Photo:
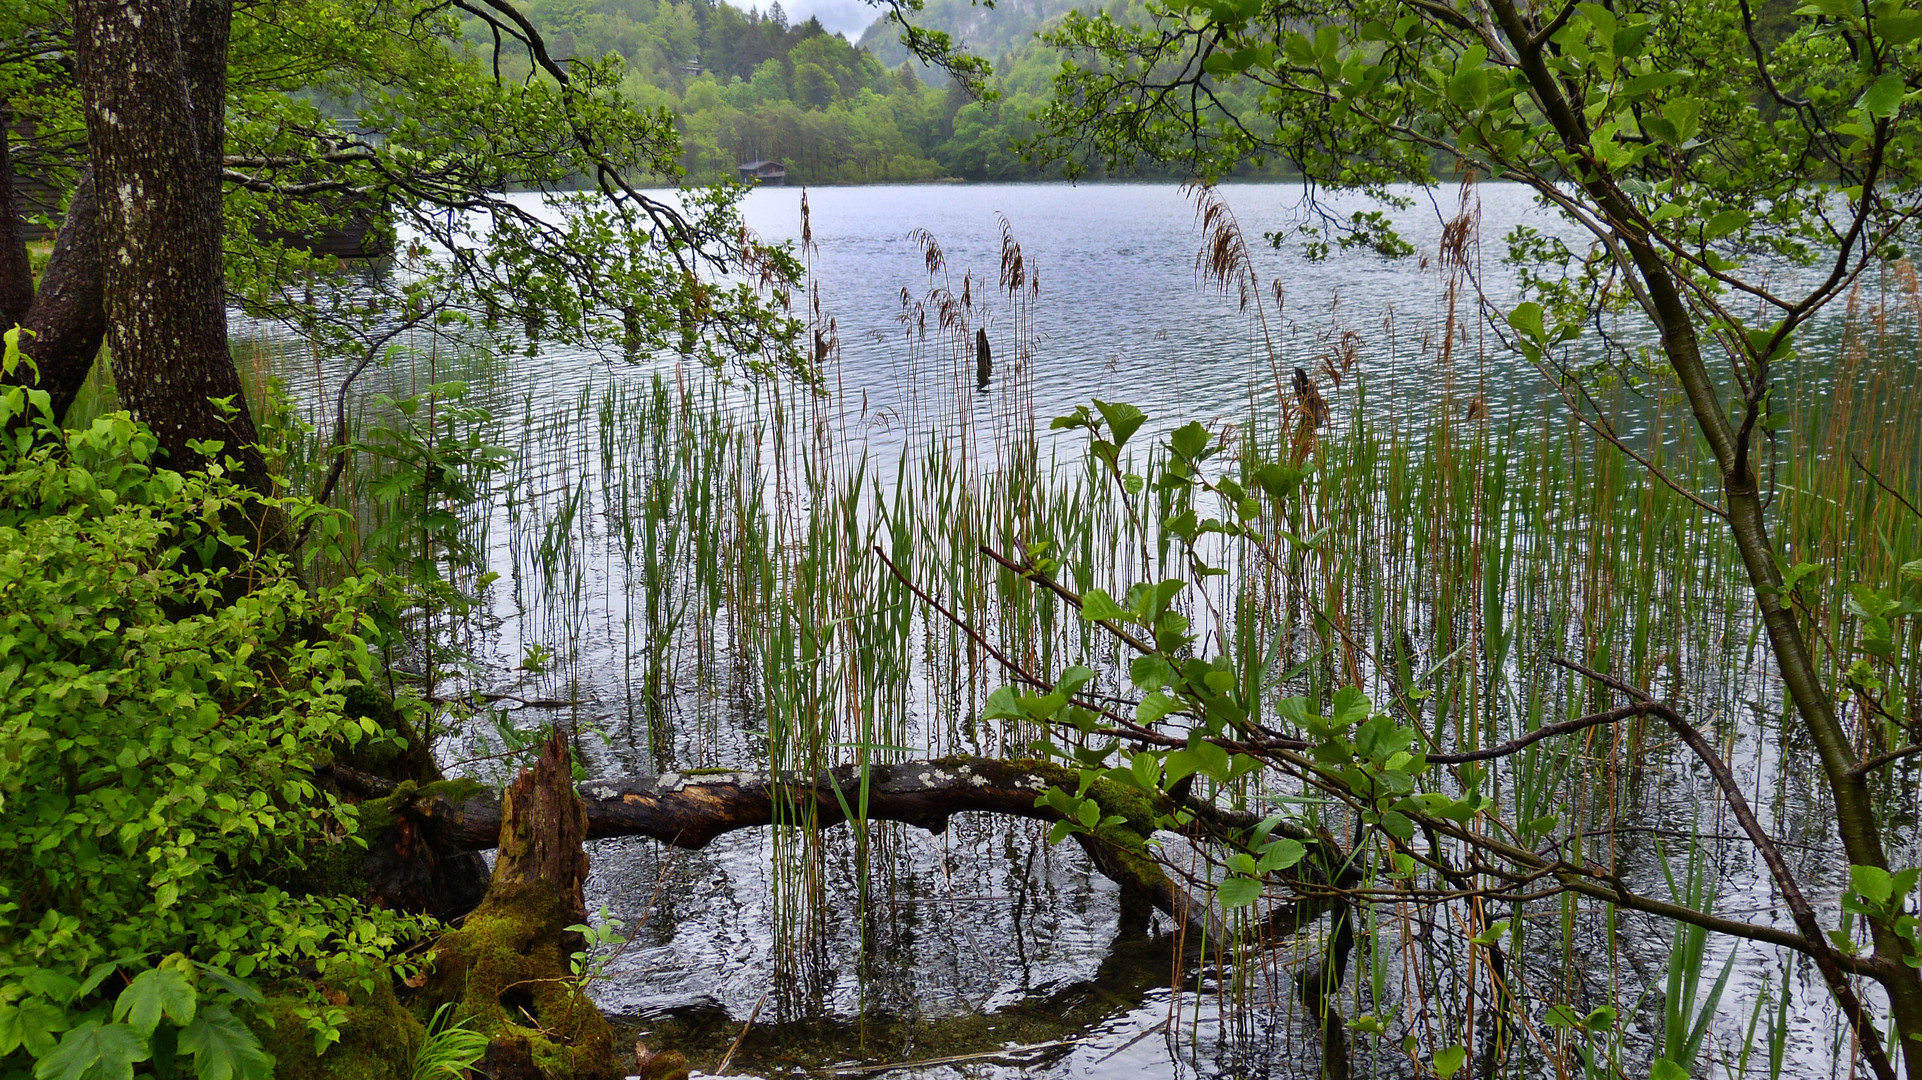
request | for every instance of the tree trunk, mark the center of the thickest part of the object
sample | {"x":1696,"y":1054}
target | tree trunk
{"x":509,"y":965}
{"x":1855,"y":817}
{"x":542,"y":825}
{"x":66,"y":321}
{"x":16,"y":271}
{"x":152,"y":80}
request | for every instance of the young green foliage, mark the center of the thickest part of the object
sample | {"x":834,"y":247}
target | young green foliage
{"x":165,"y":694}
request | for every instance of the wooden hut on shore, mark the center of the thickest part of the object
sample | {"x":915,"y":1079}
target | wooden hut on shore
{"x":767,"y":173}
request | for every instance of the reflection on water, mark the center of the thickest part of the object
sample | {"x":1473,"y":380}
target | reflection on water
{"x":984,"y":951}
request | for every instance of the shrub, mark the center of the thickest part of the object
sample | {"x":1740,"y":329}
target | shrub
{"x":165,"y":692}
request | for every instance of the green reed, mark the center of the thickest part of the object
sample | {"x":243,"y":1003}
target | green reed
{"x":721,"y":541}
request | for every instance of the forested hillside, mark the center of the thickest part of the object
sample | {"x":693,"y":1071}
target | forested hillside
{"x":1007,"y":27}
{"x":744,"y":86}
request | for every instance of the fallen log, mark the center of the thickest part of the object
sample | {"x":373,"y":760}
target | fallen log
{"x":689,"y":809}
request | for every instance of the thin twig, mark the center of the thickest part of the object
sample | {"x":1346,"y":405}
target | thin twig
{"x":1873,"y":475}
{"x":1042,"y":579}
{"x":1001,"y":658}
{"x":954,"y":1059}
{"x":1131,"y":730}
{"x":1880,"y":760}
{"x":721,"y":1069}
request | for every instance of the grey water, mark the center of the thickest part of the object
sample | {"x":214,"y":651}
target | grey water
{"x":983,"y":952}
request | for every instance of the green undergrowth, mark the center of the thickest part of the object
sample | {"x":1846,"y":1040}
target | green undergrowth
{"x":379,"y":1037}
{"x":507,"y":971}
{"x":166,"y":690}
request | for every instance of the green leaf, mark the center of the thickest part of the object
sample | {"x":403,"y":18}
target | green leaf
{"x":1155,"y":706}
{"x":1079,"y":418}
{"x":1123,"y":420}
{"x":1883,"y":98}
{"x":1794,"y":575}
{"x":1281,"y":481}
{"x":1181,"y":764}
{"x":1684,"y":114}
{"x":1396,"y":824}
{"x":1626,"y":43}
{"x":1602,"y":19}
{"x":154,"y":992}
{"x":52,"y":984}
{"x":94,"y":1051}
{"x":1381,"y":737}
{"x":1724,"y":223}
{"x":32,"y":1023}
{"x":1151,"y":671}
{"x":1873,"y":884}
{"x":1146,"y":768}
{"x":1098,"y":606}
{"x":1667,"y":1070}
{"x":1527,"y":319}
{"x":1210,"y":760}
{"x":1280,"y":854}
{"x":1072,"y":680}
{"x":1003,"y":705}
{"x":223,"y":1048}
{"x":1189,"y":440}
{"x":1900,"y":28}
{"x":1238,"y":892}
{"x":1448,"y":1060}
{"x":1643,"y":85}
{"x":1351,"y":706}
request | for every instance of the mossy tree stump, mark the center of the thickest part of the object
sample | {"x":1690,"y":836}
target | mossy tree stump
{"x":508,"y":966}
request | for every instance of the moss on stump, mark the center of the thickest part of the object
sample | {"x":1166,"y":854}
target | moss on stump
{"x":507,"y":967}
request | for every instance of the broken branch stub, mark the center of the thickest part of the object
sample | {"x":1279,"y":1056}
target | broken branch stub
{"x":542,"y":823}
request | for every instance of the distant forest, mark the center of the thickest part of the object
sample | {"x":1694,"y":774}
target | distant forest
{"x":745,"y":86}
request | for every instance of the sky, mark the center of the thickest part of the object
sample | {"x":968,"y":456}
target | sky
{"x":848,"y":17}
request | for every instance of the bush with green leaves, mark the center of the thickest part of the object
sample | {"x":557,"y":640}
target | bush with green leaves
{"x":166,"y":690}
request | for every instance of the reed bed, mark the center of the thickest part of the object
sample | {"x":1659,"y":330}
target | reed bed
{"x":692,"y":565}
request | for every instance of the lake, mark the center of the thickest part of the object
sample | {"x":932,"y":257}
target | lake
{"x":985,"y":951}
